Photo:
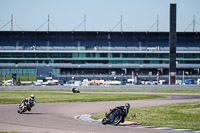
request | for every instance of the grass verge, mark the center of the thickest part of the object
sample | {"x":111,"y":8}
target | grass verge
{"x":181,"y":115}
{"x":13,"y":97}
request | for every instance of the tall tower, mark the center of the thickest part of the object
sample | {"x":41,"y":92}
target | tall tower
{"x":172,"y":45}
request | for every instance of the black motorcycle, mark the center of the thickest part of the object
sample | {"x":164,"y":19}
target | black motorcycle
{"x":75,"y":90}
{"x":23,"y":107}
{"x":114,"y":117}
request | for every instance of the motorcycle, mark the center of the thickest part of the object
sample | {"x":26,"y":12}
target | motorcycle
{"x":23,"y":107}
{"x":114,"y":117}
{"x":75,"y":90}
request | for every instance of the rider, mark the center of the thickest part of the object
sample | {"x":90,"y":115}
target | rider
{"x":30,"y":102}
{"x":75,"y":90}
{"x":124,"y":109}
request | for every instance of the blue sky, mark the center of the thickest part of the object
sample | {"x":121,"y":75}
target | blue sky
{"x":102,"y":15}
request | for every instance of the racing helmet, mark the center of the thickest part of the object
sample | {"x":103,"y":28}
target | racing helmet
{"x":32,"y":96}
{"x":127,"y":105}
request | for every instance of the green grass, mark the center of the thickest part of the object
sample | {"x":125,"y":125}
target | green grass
{"x":182,"y":115}
{"x":14,"y":97}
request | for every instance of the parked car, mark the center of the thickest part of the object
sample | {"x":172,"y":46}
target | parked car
{"x":190,"y":81}
{"x":198,"y":81}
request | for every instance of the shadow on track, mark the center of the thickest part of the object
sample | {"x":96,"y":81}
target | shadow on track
{"x":33,"y":113}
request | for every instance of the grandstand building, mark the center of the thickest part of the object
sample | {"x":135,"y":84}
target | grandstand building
{"x":97,"y":54}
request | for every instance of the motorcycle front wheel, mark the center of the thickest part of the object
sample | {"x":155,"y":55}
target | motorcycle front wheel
{"x":104,"y":121}
{"x":117,"y":120}
{"x":20,"y":111}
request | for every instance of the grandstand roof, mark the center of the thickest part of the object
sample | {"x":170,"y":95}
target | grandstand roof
{"x":92,"y":34}
{"x":92,"y":38}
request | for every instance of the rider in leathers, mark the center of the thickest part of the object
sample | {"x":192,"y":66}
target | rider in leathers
{"x":30,"y":102}
{"x":124,"y":108}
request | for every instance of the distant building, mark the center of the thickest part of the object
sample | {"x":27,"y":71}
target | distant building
{"x":96,"y":53}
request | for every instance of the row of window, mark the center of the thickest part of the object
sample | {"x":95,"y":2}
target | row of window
{"x":102,"y":61}
{"x":96,"y":55}
{"x":7,"y":71}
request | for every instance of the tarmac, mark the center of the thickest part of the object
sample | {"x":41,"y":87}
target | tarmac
{"x":59,"y":117}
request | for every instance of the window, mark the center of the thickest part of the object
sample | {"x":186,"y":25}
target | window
{"x":41,"y":55}
{"x":152,"y":55}
{"x":140,"y":55}
{"x":103,"y":55}
{"x":74,"y":55}
{"x":5,"y":55}
{"x":18,"y":55}
{"x":164,"y":55}
{"x":116,"y":55}
{"x":29,"y":55}
{"x":128,"y":55}
{"x":54,"y":55}
{"x":66,"y":55}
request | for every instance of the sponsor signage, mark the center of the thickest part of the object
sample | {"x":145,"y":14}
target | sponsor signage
{"x":172,"y":74}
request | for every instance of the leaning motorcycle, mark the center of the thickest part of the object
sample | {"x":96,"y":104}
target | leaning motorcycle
{"x":23,"y":108}
{"x":75,"y":90}
{"x":114,"y":117}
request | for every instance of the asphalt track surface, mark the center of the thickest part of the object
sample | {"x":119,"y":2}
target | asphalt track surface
{"x":59,"y":117}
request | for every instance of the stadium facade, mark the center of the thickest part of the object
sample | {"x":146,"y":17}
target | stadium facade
{"x":97,"y":54}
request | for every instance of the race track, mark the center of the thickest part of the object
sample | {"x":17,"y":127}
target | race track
{"x":59,"y":117}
